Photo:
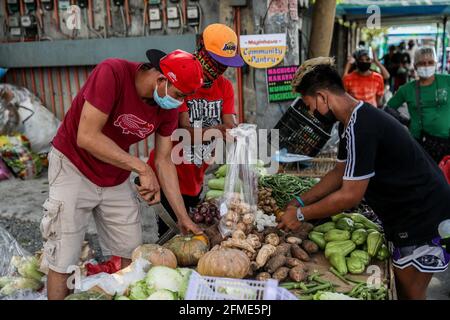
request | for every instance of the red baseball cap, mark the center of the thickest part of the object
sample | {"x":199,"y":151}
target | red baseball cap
{"x":181,"y":68}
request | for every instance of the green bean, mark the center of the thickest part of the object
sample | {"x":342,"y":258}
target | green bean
{"x":326,"y":286}
{"x":337,"y":274}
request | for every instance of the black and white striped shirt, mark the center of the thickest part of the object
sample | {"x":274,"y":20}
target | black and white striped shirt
{"x":406,"y":190}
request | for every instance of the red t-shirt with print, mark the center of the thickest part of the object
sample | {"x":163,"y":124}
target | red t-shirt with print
{"x":365,"y":88}
{"x":207,"y":105}
{"x":111,"y":89}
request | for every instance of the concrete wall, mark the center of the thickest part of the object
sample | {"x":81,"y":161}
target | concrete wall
{"x":257,"y":108}
{"x":57,"y":86}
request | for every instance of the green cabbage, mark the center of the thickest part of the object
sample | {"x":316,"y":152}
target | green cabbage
{"x":27,"y":267}
{"x":139,"y":290}
{"x":162,"y":294}
{"x":161,"y":277}
{"x":186,"y":274}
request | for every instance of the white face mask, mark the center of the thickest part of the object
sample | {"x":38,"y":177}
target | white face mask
{"x":426,"y":72}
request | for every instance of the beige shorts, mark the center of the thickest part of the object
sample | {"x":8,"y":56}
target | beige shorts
{"x":73,"y":200}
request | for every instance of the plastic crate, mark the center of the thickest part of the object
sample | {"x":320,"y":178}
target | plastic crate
{"x":301,"y":133}
{"x":215,"y":288}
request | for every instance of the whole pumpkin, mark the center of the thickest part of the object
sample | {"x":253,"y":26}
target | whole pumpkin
{"x":188,"y":249}
{"x":156,"y":255}
{"x":224,"y":262}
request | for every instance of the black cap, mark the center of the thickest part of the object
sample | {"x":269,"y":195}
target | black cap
{"x":154,"y":56}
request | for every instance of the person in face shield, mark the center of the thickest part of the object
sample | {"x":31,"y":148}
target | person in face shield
{"x":379,"y":161}
{"x":428,"y":104}
{"x":363,"y":83}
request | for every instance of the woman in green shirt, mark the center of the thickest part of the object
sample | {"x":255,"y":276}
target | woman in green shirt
{"x":430,"y":118}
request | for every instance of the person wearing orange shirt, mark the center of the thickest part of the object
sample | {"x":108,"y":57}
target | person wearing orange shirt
{"x":363,"y":83}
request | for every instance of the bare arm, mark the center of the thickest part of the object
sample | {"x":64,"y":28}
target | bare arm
{"x":91,"y":138}
{"x":167,"y":173}
{"x":380,"y":101}
{"x":383,"y":70}
{"x":331,"y":182}
{"x":349,"y":195}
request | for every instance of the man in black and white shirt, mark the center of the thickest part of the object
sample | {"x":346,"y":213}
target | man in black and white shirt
{"x":379,"y":161}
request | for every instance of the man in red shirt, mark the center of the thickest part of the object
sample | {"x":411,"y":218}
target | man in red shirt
{"x":121,"y":103}
{"x":211,"y":107}
{"x":363,"y":83}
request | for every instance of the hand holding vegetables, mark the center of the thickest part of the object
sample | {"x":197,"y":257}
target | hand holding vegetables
{"x":186,"y":226}
{"x":289,"y":219}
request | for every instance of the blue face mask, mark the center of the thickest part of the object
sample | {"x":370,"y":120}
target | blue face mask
{"x":166,"y":102}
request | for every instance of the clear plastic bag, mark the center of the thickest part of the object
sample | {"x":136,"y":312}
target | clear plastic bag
{"x":238,"y":206}
{"x":9,"y":248}
{"x":32,"y":115}
{"x":13,"y":284}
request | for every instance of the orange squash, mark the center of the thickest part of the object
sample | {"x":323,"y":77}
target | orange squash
{"x":156,"y":255}
{"x":224,"y":262}
{"x":188,"y":249}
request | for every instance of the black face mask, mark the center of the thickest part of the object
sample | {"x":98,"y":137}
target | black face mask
{"x":363,"y":66}
{"x":327,"y":119}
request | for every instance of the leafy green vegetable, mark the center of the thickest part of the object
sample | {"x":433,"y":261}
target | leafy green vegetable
{"x":20,"y":284}
{"x":285,"y":186}
{"x":162,"y":294}
{"x":161,"y":277}
{"x":139,"y":290}
{"x":186,"y":274}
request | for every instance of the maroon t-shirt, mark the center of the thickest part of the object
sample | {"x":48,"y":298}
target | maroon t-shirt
{"x":111,"y":89}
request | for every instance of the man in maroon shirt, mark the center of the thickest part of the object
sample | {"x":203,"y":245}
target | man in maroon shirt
{"x":121,"y":103}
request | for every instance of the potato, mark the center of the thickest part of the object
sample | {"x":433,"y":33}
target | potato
{"x":248,"y":218}
{"x":274,"y":263}
{"x":260,"y":236}
{"x":281,"y":274}
{"x":283,"y":249}
{"x":254,"y":241}
{"x":272,"y":230}
{"x":238,"y":235}
{"x":293,"y":240}
{"x":300,"y":234}
{"x":213,"y":235}
{"x":299,"y":253}
{"x":294,"y":262}
{"x":272,"y":239}
{"x":310,"y":246}
{"x":241,"y":226}
{"x":306,"y":227}
{"x":263,"y":276}
{"x":297,"y":274}
{"x":264,"y":254}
